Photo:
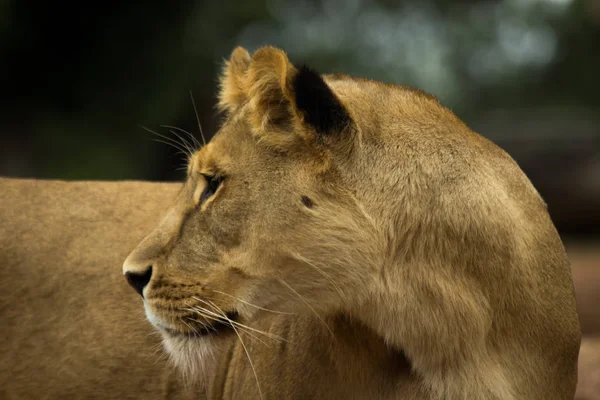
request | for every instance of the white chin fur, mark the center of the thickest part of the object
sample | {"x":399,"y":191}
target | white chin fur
{"x":192,"y":356}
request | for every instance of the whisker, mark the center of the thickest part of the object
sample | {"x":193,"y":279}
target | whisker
{"x":246,"y":327}
{"x":245,"y":349}
{"x":220,"y":319}
{"x":198,"y":119}
{"x":246,"y":330}
{"x":184,"y":166}
{"x":250,"y":304}
{"x":188,"y":146}
{"x":268,"y":334}
{"x":251,"y":363}
{"x":209,"y":315}
{"x":189,"y":134}
{"x":243,"y":327}
{"x":309,"y":306}
{"x":169,"y":141}
{"x":191,"y":327}
{"x":179,"y":152}
{"x":157,"y":347}
{"x":204,"y":313}
{"x":173,"y":141}
{"x":320,"y":270}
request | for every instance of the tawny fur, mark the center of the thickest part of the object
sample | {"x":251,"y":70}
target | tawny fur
{"x":425,"y":265}
{"x":71,"y":327}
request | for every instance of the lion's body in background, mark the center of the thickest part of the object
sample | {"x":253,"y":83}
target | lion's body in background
{"x":70,"y":325}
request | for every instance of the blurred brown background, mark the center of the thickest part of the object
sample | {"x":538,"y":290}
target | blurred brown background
{"x":77,"y":79}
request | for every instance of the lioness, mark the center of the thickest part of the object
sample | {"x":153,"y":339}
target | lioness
{"x":341,"y":238}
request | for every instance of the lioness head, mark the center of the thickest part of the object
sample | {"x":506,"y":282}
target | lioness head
{"x":267,"y":218}
{"x":334,"y":195}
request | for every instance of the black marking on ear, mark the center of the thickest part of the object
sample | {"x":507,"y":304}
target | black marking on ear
{"x":307,"y":201}
{"x":321,"y":108}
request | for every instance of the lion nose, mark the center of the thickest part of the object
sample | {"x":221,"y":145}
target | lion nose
{"x":139,"y":280}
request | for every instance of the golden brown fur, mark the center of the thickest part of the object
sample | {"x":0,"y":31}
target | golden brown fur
{"x":70,"y":327}
{"x":417,"y":259}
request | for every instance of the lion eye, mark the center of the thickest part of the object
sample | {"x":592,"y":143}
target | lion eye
{"x":212,"y":184}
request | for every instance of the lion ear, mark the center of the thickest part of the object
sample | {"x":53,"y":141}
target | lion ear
{"x":317,"y":104}
{"x":269,"y":89}
{"x":232,"y":90}
{"x":283,"y":97}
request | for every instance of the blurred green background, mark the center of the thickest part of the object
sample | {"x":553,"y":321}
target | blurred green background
{"x":79,"y":78}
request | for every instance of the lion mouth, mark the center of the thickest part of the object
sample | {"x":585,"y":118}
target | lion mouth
{"x":215,"y":328}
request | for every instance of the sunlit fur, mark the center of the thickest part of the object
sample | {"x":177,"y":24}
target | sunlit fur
{"x":422,"y":241}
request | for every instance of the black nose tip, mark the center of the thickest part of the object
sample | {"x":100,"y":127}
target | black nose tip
{"x":139,"y":281}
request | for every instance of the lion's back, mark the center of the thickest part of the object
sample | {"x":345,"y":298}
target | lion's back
{"x":68,"y":322}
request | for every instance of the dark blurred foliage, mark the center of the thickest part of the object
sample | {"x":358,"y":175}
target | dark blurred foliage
{"x":78,"y":79}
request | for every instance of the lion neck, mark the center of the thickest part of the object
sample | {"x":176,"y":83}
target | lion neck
{"x":441,"y":328}
{"x":343,"y":360}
